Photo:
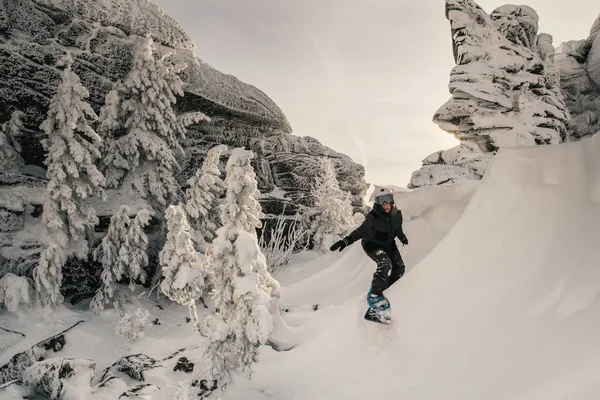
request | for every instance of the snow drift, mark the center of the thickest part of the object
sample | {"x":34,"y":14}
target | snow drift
{"x":505,"y":307}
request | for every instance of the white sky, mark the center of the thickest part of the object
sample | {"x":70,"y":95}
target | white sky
{"x":363,"y":77}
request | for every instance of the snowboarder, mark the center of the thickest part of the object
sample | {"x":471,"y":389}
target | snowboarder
{"x":377,"y":233}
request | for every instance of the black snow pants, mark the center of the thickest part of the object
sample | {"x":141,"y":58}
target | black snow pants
{"x":390,"y":266}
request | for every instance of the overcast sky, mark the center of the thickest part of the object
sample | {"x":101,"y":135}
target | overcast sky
{"x":362,"y":76}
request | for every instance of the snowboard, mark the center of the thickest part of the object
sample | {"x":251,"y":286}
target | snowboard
{"x":379,"y":316}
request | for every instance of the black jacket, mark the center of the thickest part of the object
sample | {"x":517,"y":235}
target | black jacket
{"x":379,"y":227}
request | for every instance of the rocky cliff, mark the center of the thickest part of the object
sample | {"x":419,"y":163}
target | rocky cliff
{"x":505,"y":91}
{"x":579,"y":64}
{"x":34,"y":34}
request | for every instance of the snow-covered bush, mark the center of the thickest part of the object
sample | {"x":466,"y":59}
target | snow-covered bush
{"x":10,"y":149}
{"x":14,"y":290}
{"x":242,"y":320}
{"x":333,"y":208}
{"x":141,"y":129}
{"x":132,"y":327}
{"x":123,"y":254}
{"x":279,"y":242}
{"x":73,"y":179}
{"x":202,"y":199}
{"x":182,"y":266}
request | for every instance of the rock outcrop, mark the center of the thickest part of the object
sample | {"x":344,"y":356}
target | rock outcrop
{"x":35,"y":34}
{"x":59,"y":378}
{"x":45,"y":369}
{"x":505,"y":91}
{"x":20,"y":362}
{"x":579,"y":64}
{"x":100,"y":36}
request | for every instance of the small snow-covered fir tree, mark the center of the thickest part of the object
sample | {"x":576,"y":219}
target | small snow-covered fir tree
{"x":242,"y":321}
{"x":113,"y":266}
{"x":10,"y":149}
{"x":123,"y":254}
{"x":14,"y":290}
{"x":141,"y":129}
{"x":136,"y":248}
{"x":333,"y":209}
{"x":48,"y":273}
{"x":73,"y":179}
{"x":182,"y":266}
{"x":202,"y":199}
{"x":131,"y":326}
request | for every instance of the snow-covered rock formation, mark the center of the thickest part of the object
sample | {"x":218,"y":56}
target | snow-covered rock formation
{"x":36,"y":34}
{"x":100,"y":35}
{"x":579,"y":64}
{"x":505,"y":91}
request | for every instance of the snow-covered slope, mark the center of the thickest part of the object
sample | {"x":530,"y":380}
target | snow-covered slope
{"x":505,"y":307}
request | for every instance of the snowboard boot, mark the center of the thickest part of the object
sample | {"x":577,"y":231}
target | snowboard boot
{"x":377,"y":302}
{"x":379,"y":309}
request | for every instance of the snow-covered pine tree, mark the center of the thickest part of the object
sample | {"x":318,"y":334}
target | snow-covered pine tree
{"x":202,"y":199}
{"x":242,"y":321}
{"x":123,"y":254}
{"x":182,"y":265}
{"x":141,"y":129}
{"x":113,"y":266}
{"x":10,"y":149}
{"x":73,"y":178}
{"x":333,"y":208}
{"x":136,"y":248}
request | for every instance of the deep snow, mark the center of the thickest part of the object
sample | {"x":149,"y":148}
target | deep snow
{"x":505,"y":306}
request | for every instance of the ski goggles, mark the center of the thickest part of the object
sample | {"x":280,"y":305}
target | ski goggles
{"x":384,"y":198}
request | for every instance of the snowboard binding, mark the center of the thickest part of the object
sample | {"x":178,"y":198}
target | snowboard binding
{"x":379,"y":309}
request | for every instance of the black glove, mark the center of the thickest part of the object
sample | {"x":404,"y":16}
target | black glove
{"x":404,"y":240}
{"x":340,"y":244}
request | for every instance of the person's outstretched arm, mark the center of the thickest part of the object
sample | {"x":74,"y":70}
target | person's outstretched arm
{"x":400,"y":233}
{"x":355,"y":235}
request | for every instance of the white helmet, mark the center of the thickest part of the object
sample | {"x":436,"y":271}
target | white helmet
{"x":383,"y":195}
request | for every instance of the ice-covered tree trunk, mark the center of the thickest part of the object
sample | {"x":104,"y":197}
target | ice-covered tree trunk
{"x":141,"y":129}
{"x":10,"y":149}
{"x":333,"y":208}
{"x":202,"y":199}
{"x":73,"y":179}
{"x":242,"y":320}
{"x":123,"y":254}
{"x":182,"y":266}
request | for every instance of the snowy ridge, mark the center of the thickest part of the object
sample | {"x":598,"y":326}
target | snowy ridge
{"x":229,"y":92}
{"x":136,"y":16}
